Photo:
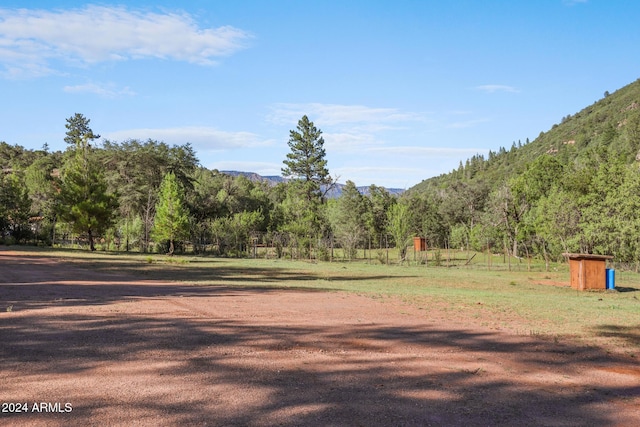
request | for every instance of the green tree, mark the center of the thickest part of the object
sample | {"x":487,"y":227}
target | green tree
{"x":78,"y":131}
{"x":306,"y":161}
{"x":538,"y":179}
{"x":399,"y":225}
{"x":379,"y":201}
{"x":461,"y":205}
{"x":426,"y":219}
{"x":303,"y":208}
{"x":84,"y":200}
{"x":172,"y":218}
{"x":15,"y":156}
{"x":556,"y":219}
{"x":14,"y":207}
{"x":632,"y":132}
{"x":232,"y":233}
{"x":609,"y":220}
{"x":505,"y":214}
{"x":136,"y":170}
{"x":301,"y":217}
{"x":243,"y":225}
{"x":348,"y":218}
{"x":41,"y":185}
{"x":130,"y":229}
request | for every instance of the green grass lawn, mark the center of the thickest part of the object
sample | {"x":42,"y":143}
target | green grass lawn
{"x":527,"y":302}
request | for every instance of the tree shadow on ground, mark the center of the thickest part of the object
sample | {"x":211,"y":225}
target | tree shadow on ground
{"x":630,"y":334}
{"x":33,"y":270}
{"x":27,"y":296}
{"x":230,"y":372}
{"x":120,"y":359}
{"x":36,"y":282}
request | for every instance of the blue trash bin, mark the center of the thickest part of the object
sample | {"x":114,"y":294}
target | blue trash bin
{"x":611,"y":278}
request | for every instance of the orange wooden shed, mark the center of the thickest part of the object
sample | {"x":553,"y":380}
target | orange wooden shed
{"x":588,"y":271}
{"x":419,"y":244}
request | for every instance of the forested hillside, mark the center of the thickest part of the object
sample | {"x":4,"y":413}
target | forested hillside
{"x":575,"y":188}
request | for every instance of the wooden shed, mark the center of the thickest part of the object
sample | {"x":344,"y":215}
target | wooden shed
{"x":588,"y":271}
{"x":419,"y":244}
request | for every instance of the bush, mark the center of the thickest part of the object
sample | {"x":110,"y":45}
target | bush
{"x":323,"y":252}
{"x":438,"y":257}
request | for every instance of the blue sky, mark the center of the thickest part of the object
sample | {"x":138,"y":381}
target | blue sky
{"x":402,"y":90}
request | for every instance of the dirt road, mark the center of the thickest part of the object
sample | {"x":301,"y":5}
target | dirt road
{"x":78,"y":348}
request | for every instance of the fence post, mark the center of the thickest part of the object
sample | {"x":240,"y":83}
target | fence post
{"x":386,"y":240}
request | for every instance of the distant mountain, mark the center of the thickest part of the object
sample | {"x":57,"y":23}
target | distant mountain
{"x":337,"y":191}
{"x":274,"y":180}
{"x":252,"y":176}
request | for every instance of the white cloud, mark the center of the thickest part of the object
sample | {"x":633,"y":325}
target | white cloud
{"x":335,"y":114}
{"x":31,"y":39}
{"x":497,"y":88}
{"x":347,"y":127}
{"x":105,"y":90}
{"x":346,"y":141}
{"x":202,"y":138}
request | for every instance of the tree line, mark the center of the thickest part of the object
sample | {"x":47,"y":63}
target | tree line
{"x":148,"y":196}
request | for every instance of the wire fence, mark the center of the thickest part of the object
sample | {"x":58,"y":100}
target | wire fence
{"x":280,"y":245}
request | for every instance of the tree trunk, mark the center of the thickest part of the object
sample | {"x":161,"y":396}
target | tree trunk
{"x":91,"y":245}
{"x":546,"y":257}
{"x":147,"y":222}
{"x":171,"y":248}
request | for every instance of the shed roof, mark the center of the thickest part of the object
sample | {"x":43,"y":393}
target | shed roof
{"x":587,"y":256}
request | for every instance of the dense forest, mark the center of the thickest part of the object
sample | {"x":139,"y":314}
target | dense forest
{"x":575,"y":188}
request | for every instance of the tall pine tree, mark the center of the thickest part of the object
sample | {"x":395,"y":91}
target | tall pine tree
{"x":306,"y":162}
{"x":83,"y":200}
{"x":307,"y":166}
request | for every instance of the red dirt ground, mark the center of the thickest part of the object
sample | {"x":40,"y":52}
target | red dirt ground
{"x":114,"y":350}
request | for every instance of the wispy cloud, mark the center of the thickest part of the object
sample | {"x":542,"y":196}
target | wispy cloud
{"x":104,"y":90}
{"x":347,"y":127}
{"x":346,"y":141}
{"x":336,"y":114}
{"x":32,"y":40}
{"x":497,"y":88}
{"x":202,"y":138}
